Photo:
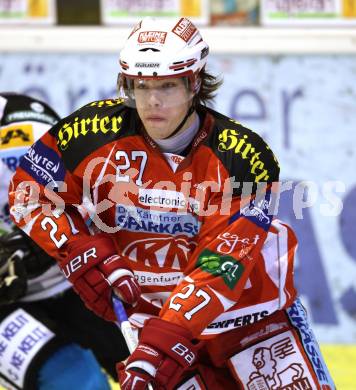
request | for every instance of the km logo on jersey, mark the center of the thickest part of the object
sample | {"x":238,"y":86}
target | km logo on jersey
{"x":161,"y":252}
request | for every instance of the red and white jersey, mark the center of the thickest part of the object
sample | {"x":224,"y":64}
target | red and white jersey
{"x":205,"y":255}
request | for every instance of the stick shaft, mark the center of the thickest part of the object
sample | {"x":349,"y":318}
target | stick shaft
{"x":125,"y":326}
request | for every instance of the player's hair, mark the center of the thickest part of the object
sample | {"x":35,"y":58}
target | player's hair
{"x":208,"y":88}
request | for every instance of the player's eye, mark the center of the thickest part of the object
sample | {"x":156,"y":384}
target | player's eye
{"x":168,"y":85}
{"x":141,"y":86}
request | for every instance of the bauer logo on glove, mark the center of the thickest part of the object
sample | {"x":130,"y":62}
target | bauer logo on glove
{"x":78,"y":262}
{"x":95,"y":269}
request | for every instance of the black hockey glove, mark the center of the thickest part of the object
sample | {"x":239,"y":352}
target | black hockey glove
{"x":20,"y":258}
{"x":13,"y":277}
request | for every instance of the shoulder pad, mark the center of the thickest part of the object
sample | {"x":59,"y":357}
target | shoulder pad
{"x":92,"y":126}
{"x":245,"y":155}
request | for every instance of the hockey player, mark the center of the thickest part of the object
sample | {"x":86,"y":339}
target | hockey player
{"x":45,"y":330}
{"x":181,"y":199}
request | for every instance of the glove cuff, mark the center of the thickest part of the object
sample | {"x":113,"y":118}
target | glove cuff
{"x":119,"y":273}
{"x":170,"y":339}
{"x":102,"y":239}
{"x":168,"y":326}
{"x":147,"y":367}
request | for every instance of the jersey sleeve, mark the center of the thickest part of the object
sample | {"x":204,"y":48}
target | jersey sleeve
{"x":45,"y":197}
{"x":48,"y":195}
{"x":231,"y":237}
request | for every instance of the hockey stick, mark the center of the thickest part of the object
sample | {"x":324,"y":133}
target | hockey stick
{"x":124,"y":323}
{"x":125,"y":326}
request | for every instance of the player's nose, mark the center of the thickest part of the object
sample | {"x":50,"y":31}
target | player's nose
{"x":154,"y":99}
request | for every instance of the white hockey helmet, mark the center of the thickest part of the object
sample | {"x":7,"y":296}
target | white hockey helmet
{"x":158,"y":49}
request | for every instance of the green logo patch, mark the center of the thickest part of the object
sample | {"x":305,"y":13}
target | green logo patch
{"x":225,"y":266}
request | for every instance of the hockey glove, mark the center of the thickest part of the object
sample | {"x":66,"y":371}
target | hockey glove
{"x":13,"y":277}
{"x":20,"y":258}
{"x":36,"y":261}
{"x":94,"y":268}
{"x":164,"y":352}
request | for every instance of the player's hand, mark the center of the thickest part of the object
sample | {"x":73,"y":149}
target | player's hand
{"x":133,"y":379}
{"x":164,"y":352}
{"x":94,"y":268}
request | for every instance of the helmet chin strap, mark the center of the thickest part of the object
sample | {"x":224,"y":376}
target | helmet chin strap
{"x":187,"y":115}
{"x":190,"y":110}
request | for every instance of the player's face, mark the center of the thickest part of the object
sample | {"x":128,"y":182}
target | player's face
{"x":162,"y":105}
